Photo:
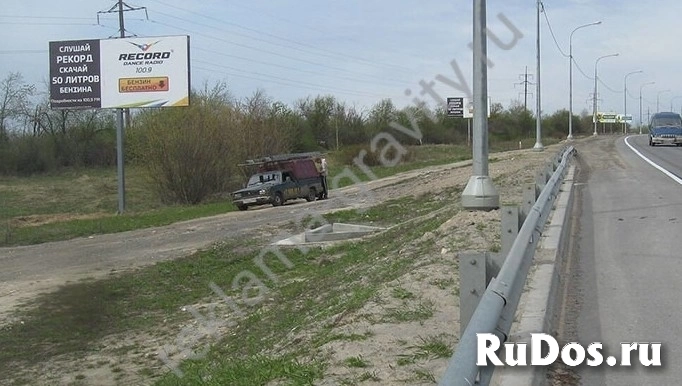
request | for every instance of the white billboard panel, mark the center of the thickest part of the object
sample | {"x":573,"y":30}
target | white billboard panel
{"x":145,"y":72}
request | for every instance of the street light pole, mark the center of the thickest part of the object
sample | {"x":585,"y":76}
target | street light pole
{"x":570,"y":78}
{"x":658,"y":98}
{"x":625,"y":98}
{"x":594,"y":104}
{"x":538,"y":118}
{"x":480,"y":192}
{"x":640,"y":104}
{"x":671,"y":101}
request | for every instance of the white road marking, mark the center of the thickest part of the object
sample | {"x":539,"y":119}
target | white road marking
{"x":652,"y":163}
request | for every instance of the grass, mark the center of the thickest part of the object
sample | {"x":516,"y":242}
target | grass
{"x":109,"y":224}
{"x":421,"y":157}
{"x":425,"y":375}
{"x":357,"y":362}
{"x":308,"y":296}
{"x":402,"y":293}
{"x":395,"y":210}
{"x":82,"y":203}
{"x":410,"y":312}
{"x":255,"y":370}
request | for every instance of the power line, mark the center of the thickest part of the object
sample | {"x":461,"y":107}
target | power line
{"x":544,"y":11}
{"x":551,"y":31}
{"x":50,"y":17}
{"x":39,"y":23}
{"x":277,"y":65}
{"x":284,"y":81}
{"x":263,"y":40}
{"x":581,"y":70}
{"x":608,"y":88}
{"x":336,"y":55}
{"x":267,"y":51}
{"x":298,"y":24}
{"x":12,"y":52}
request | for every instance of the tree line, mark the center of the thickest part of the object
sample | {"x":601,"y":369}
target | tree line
{"x":192,"y":152}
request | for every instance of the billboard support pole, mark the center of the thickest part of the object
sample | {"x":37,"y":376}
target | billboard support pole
{"x":120,"y":163}
{"x":121,"y":122}
{"x":469,"y":132}
{"x":119,"y":132}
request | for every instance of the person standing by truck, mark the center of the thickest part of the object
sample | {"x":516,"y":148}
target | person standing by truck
{"x":323,"y":177}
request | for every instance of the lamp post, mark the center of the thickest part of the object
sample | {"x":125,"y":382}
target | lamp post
{"x":480,"y":192}
{"x":640,"y":104}
{"x":625,"y":98}
{"x":538,"y":116}
{"x":594,"y":104}
{"x":658,"y":96}
{"x":671,"y":101}
{"x":570,"y":78}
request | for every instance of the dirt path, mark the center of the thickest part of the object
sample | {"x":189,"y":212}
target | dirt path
{"x":30,"y":270}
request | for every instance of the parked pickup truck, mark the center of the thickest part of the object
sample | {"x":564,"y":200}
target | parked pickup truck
{"x":665,"y":129}
{"x":281,"y":178}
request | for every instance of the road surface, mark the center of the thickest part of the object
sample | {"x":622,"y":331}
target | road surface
{"x":627,"y":264}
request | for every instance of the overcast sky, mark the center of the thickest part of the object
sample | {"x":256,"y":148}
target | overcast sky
{"x":364,"y":50}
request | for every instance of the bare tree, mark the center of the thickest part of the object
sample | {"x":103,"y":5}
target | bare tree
{"x":14,"y":100}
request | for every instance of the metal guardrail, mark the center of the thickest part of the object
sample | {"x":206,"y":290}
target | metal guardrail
{"x":497,"y":306}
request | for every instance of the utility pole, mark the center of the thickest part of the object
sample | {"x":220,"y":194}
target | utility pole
{"x":119,"y":8}
{"x":524,"y":81}
{"x":648,"y":114}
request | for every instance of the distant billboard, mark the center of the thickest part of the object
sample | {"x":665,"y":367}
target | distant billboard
{"x":120,"y":73}
{"x":455,"y":107}
{"x":607,"y":118}
{"x":462,"y":107}
{"x":624,"y":118}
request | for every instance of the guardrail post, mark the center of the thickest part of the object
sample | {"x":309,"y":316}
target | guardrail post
{"x":530,"y":194}
{"x":540,"y":180}
{"x":472,"y":284}
{"x":511,"y":224}
{"x":549,"y":170}
{"x":558,"y":158}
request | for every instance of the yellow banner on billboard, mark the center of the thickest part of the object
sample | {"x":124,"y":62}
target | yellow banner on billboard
{"x":149,"y":84}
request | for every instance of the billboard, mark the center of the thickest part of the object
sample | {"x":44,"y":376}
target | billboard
{"x":606,"y":118}
{"x":75,"y":74}
{"x":621,"y":118}
{"x":462,"y":107}
{"x":455,"y":107}
{"x":120,"y":73}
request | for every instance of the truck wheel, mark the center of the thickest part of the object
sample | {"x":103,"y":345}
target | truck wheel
{"x":278,"y":200}
{"x":312,"y":194}
{"x":242,"y":207}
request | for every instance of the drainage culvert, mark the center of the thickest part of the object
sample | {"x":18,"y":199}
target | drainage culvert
{"x":329,"y":233}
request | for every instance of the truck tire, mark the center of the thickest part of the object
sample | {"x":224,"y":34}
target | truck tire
{"x":278,"y":200}
{"x":312,"y":194}
{"x":242,"y":207}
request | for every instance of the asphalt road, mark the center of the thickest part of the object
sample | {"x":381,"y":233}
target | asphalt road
{"x":627,"y":279}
